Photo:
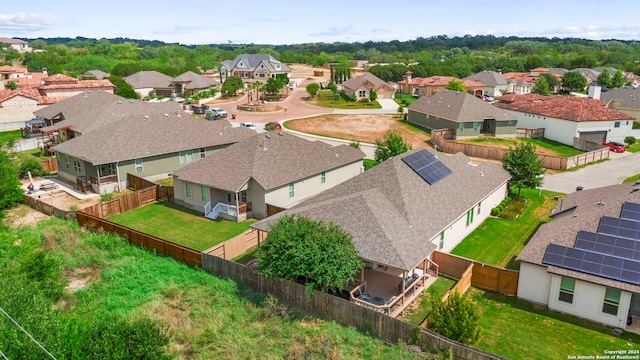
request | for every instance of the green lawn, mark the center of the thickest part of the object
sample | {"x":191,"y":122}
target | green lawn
{"x":326,"y":98}
{"x":517,"y":329}
{"x":179,"y":225}
{"x":8,"y":136}
{"x":498,"y":241}
{"x":421,"y":307}
{"x":632,"y":179}
{"x":559,"y":148}
{"x":634,"y":148}
{"x":404,"y":99}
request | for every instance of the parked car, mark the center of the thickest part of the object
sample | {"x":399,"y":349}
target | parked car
{"x":615,"y":146}
{"x":273,"y":126}
{"x":249,"y":125}
{"x":220,"y":112}
{"x":488,"y":97}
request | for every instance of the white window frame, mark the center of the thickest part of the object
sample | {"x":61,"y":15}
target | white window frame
{"x":441,"y":243}
{"x":323,"y":177}
{"x":187,"y":190}
{"x":203,"y":193}
{"x":138,"y":165}
{"x":567,"y":289}
{"x":77,"y":166}
{"x":608,"y":302}
{"x":203,"y":153}
{"x":291,"y":189}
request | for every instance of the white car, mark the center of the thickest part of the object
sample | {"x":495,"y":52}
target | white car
{"x":249,"y":125}
{"x":219,"y":111}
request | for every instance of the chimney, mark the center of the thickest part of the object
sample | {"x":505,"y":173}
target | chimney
{"x":408,"y":76}
{"x":45,"y":71}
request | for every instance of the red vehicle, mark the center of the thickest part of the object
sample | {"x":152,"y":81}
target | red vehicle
{"x":273,"y":125}
{"x":615,"y":146}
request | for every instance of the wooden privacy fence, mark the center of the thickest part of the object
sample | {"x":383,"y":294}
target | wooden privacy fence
{"x":530,"y":133}
{"x":163,"y":193}
{"x":162,"y":247}
{"x":236,"y":246}
{"x":336,"y":309}
{"x":48,"y":208}
{"x":123,"y":203}
{"x":272,"y":209}
{"x":483,"y":276}
{"x":439,"y":138}
{"x":50,"y":164}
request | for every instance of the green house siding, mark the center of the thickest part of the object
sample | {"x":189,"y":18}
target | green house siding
{"x":504,"y":128}
{"x":430,"y":122}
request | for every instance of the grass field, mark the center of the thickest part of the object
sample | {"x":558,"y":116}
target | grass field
{"x":205,"y":317}
{"x":517,"y":329}
{"x":326,"y":98}
{"x":421,"y":308}
{"x":555,"y":147}
{"x":179,"y":225}
{"x":498,"y":241}
{"x":8,"y":136}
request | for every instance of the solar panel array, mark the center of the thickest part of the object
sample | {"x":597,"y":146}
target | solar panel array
{"x":427,"y":166}
{"x":613,"y":252}
{"x":630,"y":211}
{"x":611,"y":267}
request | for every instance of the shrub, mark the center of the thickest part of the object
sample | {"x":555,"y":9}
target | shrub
{"x":353,"y":98}
{"x":106,"y":197}
{"x":30,"y":164}
{"x":629,"y":140}
{"x":495,"y":211}
{"x":635,"y":125}
{"x":363,"y":100}
{"x":457,"y":318}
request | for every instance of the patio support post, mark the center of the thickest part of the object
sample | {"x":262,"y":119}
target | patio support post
{"x":237,"y":199}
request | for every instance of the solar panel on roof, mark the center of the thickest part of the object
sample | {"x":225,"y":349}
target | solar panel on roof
{"x":630,"y":211}
{"x":588,"y":262}
{"x":427,"y":166}
{"x":619,"y":227}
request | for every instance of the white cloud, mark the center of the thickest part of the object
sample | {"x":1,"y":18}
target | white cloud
{"x":26,"y":23}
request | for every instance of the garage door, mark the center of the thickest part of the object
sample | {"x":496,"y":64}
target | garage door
{"x":594,"y":136}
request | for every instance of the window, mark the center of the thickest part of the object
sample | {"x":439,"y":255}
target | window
{"x":567,"y":286}
{"x":76,"y":166}
{"x":469,"y":217}
{"x":138,"y":165}
{"x":479,"y":206}
{"x":186,"y":156}
{"x":362,"y":93}
{"x":243,"y":196}
{"x":203,"y":193}
{"x":461,"y":127}
{"x":611,"y":301}
{"x":202,"y":153}
{"x":616,"y":124}
{"x":261,"y":75}
{"x":323,"y":177}
{"x":229,"y":197}
{"x":476,"y":126}
{"x":441,"y":244}
{"x":291,"y":190}
{"x":187,"y":190}
{"x":510,"y":123}
{"x":66,"y":160}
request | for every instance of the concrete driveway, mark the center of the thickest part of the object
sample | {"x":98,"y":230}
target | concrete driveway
{"x":611,"y":172}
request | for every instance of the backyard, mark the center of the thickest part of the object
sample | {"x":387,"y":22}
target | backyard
{"x":513,"y":232}
{"x":179,"y":225}
{"x":543,"y":146}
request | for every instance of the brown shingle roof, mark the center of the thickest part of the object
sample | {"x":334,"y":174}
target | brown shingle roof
{"x":459,"y":107}
{"x":194,"y":81}
{"x":392,"y":213}
{"x":563,"y":107}
{"x":141,"y":136}
{"x":149,"y":79}
{"x":577,"y":211}
{"x":272,"y":159}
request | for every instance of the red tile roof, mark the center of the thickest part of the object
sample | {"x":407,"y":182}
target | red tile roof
{"x":29,"y":92}
{"x":77,"y":84}
{"x":562,"y":107}
{"x":441,"y":81}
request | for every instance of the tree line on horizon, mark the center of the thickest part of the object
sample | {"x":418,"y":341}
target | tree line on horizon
{"x":437,"y":55}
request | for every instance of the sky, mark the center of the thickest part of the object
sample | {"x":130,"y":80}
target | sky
{"x":279,"y":22}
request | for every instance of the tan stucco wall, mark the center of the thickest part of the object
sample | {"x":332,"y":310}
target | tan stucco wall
{"x":15,"y":111}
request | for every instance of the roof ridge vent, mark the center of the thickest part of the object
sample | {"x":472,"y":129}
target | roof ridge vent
{"x":146,"y":117}
{"x":166,"y":115}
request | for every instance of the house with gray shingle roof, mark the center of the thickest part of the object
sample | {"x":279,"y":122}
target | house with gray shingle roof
{"x":464,"y":113}
{"x":566,"y":117}
{"x":144,"y":82}
{"x":495,"y":84}
{"x":625,"y":99}
{"x":360,"y":87}
{"x":586,"y":261}
{"x":253,"y":67}
{"x":397,"y":219}
{"x":108,"y":136}
{"x":270,"y":170}
{"x":190,"y":83}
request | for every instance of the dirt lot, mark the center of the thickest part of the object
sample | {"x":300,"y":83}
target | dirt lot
{"x":64,"y":201}
{"x":363,"y":128}
{"x":22,"y":215}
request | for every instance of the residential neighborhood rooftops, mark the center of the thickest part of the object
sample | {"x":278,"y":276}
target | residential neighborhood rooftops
{"x":392,"y":213}
{"x":441,"y":81}
{"x":459,"y":107}
{"x":194,"y":81}
{"x":561,"y":107}
{"x":489,"y":78}
{"x":249,"y":62}
{"x":148,"y":79}
{"x":580,"y":210}
{"x":272,"y":159}
{"x":627,"y":97}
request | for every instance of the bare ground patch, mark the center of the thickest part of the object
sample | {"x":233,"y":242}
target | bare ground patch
{"x":22,"y":215}
{"x":362,"y":128}
{"x":64,"y":201}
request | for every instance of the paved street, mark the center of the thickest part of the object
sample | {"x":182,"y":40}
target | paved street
{"x":611,"y":172}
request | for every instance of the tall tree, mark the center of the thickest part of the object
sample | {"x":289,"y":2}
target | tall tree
{"x":10,"y":191}
{"x":604,"y":78}
{"x":573,"y":81}
{"x":391,"y":145}
{"x":551,"y":80}
{"x":301,"y":247}
{"x":456,"y":85}
{"x":618,"y":79}
{"x":313,"y":89}
{"x":523,"y":165}
{"x":274,"y":85}
{"x":231,"y":85}
{"x":456,"y":318}
{"x":541,"y":87}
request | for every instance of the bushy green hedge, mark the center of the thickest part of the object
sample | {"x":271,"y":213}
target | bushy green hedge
{"x":503,"y":204}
